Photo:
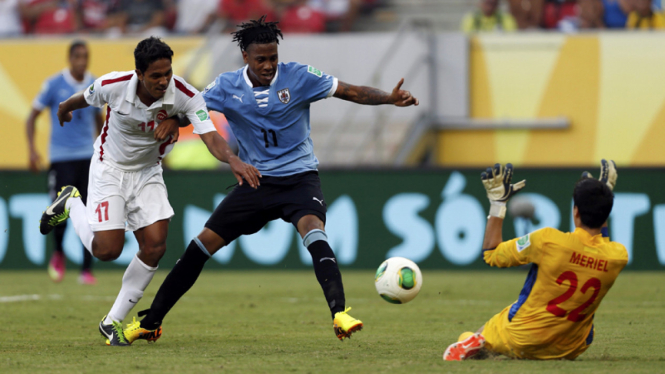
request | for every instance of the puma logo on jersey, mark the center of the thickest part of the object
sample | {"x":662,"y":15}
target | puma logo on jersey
{"x":320,"y":201}
{"x":239,"y":98}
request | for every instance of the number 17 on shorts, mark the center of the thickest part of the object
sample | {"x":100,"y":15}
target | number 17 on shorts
{"x":108,"y":214}
{"x":102,"y":211}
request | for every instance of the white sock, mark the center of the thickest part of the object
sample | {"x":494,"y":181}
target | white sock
{"x":137,"y":277}
{"x":78,"y":216}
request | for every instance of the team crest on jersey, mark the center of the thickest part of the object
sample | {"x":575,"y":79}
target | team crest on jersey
{"x":284,"y":95}
{"x":523,"y":243}
{"x":161,"y":116}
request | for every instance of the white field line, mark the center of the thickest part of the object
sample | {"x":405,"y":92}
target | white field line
{"x":13,"y":299}
{"x":35,"y":297}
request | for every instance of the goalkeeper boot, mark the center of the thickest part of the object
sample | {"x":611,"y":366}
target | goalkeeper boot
{"x":464,"y":349}
{"x":113,"y":333}
{"x":344,"y":325}
{"x":57,"y":212}
{"x":134,"y":331}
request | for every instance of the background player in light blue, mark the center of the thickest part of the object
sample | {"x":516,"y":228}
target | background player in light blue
{"x":70,"y":147}
{"x":267,"y":106}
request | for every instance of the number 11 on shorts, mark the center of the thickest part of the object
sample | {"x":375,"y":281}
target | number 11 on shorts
{"x":102,"y":206}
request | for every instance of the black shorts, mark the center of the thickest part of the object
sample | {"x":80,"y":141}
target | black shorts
{"x":69,"y":173}
{"x":245,"y":210}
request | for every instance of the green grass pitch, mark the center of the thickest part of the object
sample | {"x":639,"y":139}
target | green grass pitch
{"x":278,"y":322}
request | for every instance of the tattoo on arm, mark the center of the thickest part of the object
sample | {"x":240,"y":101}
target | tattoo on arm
{"x":362,"y":94}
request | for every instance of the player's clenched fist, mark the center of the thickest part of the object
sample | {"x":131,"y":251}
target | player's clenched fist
{"x":497,"y":182}
{"x":63,"y":114}
{"x":245,"y":171}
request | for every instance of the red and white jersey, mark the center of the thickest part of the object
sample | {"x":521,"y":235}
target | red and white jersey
{"x":127,"y":139}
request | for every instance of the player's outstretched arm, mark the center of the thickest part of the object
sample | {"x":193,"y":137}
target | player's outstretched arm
{"x":374,"y":96}
{"x":65,"y":109}
{"x":35,"y":158}
{"x":497,"y":182}
{"x":221,"y":150}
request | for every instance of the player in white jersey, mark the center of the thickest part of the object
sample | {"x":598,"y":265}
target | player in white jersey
{"x":126,"y":188}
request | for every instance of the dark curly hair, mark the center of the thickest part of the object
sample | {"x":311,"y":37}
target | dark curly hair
{"x":150,"y":50}
{"x":260,"y":32}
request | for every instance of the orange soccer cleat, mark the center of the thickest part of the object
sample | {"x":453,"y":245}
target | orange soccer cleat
{"x":464,"y":349}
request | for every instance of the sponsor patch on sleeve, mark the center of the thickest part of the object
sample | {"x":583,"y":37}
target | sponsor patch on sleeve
{"x":523,"y":243}
{"x":202,"y":114}
{"x":211,"y":85}
{"x":92,"y":88}
{"x":315,"y":71}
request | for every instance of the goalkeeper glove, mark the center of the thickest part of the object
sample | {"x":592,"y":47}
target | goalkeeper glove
{"x":608,"y":173}
{"x":499,"y":189}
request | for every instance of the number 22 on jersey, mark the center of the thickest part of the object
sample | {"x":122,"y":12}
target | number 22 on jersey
{"x":576,"y":314}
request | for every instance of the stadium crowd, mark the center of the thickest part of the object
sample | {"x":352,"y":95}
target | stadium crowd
{"x":160,"y":17}
{"x":565,"y":15}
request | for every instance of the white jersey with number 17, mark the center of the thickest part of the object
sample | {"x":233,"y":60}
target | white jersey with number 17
{"x":127,"y":139}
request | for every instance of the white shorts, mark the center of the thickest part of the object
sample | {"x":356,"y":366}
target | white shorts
{"x":128,"y":200}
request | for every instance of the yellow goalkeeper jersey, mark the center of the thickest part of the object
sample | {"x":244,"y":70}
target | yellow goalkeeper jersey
{"x":570,"y":275}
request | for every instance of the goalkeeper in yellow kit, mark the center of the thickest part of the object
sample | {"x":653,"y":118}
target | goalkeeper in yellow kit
{"x":570,"y":274}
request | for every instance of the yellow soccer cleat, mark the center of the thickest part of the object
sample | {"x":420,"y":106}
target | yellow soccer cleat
{"x":345,"y":325}
{"x":134,"y":331}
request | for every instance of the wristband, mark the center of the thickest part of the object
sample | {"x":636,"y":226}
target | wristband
{"x":497,"y":209}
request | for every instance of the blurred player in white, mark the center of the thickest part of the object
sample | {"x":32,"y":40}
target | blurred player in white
{"x":126,"y":188}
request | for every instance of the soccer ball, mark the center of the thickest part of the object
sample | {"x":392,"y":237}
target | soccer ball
{"x":398,"y":280}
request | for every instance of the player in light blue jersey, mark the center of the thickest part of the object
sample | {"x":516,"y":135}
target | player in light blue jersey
{"x":70,"y":148}
{"x":267,"y":106}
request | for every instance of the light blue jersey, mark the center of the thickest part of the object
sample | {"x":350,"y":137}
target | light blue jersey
{"x":75,"y":140}
{"x":272,"y":123}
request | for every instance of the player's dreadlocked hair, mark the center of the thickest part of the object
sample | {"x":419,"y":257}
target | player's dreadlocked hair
{"x":260,"y":32}
{"x":150,"y":50}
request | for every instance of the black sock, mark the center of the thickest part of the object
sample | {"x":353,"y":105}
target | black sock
{"x":59,"y":232}
{"x":328,"y":275}
{"x":181,"y":278}
{"x":87,"y":260}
